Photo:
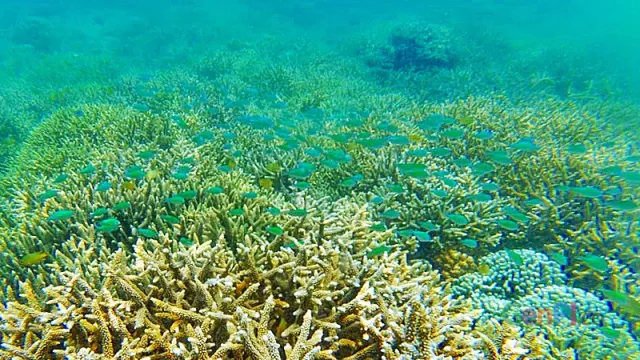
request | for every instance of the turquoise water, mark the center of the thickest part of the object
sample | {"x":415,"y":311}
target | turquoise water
{"x":319,"y":180}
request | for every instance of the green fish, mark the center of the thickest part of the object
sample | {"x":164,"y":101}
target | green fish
{"x":61,"y":215}
{"x":148,"y":233}
{"x":453,"y":134}
{"x":293,"y":244}
{"x":183,"y":169}
{"x":500,"y":157}
{"x":101,"y":211}
{"x":515,"y":214}
{"x":419,"y":174}
{"x":87,"y":170}
{"x":379,"y":227}
{"x":373,"y":143}
{"x":61,"y":178}
{"x":180,"y":122}
{"x":188,"y":195}
{"x":430,"y":226}
{"x":470,"y":243}
{"x":378,"y":251}
{"x":300,"y":173}
{"x":135,"y":172}
{"x":377,"y":200}
{"x":481,"y":197}
{"x":466,"y":120}
{"x":330,"y":164}
{"x":391,"y":214}
{"x":190,"y":160}
{"x":274,"y":211}
{"x":507,"y":224}
{"x":185,"y":241}
{"x":108,"y":225}
{"x":449,"y":182}
{"x":418,"y":153}
{"x":626,"y":303}
{"x":170,"y":219}
{"x":180,"y":175}
{"x":439,"y":193}
{"x":586,"y":191}
{"x":483,"y":135}
{"x":146,"y":154}
{"x":462,"y":162}
{"x":632,"y":177}
{"x":489,"y":187}
{"x":175,"y":200}
{"x":621,"y":205}
{"x":103,"y":186}
{"x":610,"y":333}
{"x":482,"y":168}
{"x":48,"y":195}
{"x":440,"y":151}
{"x":525,"y":146}
{"x":297,"y":212}
{"x":515,"y":257}
{"x":422,"y":236}
{"x":123,"y":205}
{"x":348,"y":183}
{"x":560,"y":259}
{"x":398,"y":140}
{"x":275,"y":230}
{"x":406,"y":233}
{"x":611,"y":170}
{"x":236,"y":212}
{"x":576,"y":149}
{"x":302,"y":185}
{"x":533,"y":202}
{"x":595,"y":262}
{"x":215,"y":190}
{"x":395,"y":188}
{"x":458,"y":219}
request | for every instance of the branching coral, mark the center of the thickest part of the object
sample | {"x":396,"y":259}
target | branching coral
{"x":206,"y":300}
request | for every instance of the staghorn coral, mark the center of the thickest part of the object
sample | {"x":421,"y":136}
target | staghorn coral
{"x":172,"y":301}
{"x":191,"y":303}
{"x":243,"y":303}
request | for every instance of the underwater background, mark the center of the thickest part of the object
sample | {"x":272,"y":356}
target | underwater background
{"x":328,"y":179}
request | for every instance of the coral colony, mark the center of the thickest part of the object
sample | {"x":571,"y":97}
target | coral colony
{"x":240,"y":209}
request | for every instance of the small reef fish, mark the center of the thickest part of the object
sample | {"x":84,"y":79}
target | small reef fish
{"x":148,"y":233}
{"x":626,"y":303}
{"x":128,"y":185}
{"x":484,"y":269}
{"x":515,"y":257}
{"x":378,"y":251}
{"x":596,"y":263}
{"x":33,"y":258}
{"x":275,"y":230}
{"x":152,"y":174}
{"x":470,"y":243}
{"x":266,"y":183}
{"x":61,"y":215}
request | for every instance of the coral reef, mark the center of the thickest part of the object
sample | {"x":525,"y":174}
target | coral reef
{"x":246,"y":295}
{"x":530,"y":295}
{"x":269,"y":199}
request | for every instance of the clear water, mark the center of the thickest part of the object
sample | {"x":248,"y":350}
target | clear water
{"x":189,"y":179}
